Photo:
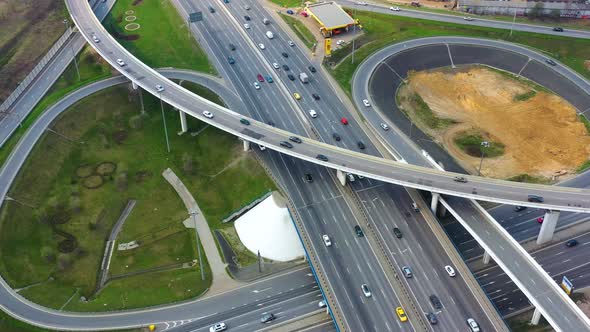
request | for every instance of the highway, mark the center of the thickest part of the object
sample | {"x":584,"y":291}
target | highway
{"x":394,"y":62}
{"x":565,"y":199}
{"x":457,"y":19}
{"x":329,"y":107}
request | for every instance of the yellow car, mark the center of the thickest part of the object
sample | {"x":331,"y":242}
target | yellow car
{"x":297,"y":96}
{"x":401,"y":314}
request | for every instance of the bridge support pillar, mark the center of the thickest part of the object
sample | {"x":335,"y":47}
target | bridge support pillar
{"x":183,"y":125}
{"x":548,"y":226}
{"x":434,"y":202}
{"x":341,"y":176}
{"x":536,"y":317}
{"x":246,"y":145}
{"x":486,"y":257}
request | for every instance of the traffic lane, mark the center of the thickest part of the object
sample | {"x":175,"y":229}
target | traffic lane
{"x":284,"y":307}
{"x":539,"y":288}
{"x":477,"y":21}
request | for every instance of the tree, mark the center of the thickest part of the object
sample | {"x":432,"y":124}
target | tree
{"x":555,"y":14}
{"x":537,"y":10}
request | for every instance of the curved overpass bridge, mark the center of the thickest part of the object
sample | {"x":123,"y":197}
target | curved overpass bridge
{"x":558,"y":198}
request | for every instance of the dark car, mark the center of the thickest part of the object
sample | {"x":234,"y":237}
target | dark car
{"x":232,"y":47}
{"x":435,"y":302}
{"x":358,"y":231}
{"x":558,"y":29}
{"x":286,"y":144}
{"x":295,"y":139}
{"x":308,"y":178}
{"x":432,"y":318}
{"x":244,"y":121}
{"x":397,"y":232}
{"x":361,"y":145}
{"x":291,"y":77}
{"x":460,"y":179}
{"x":271,"y":123}
{"x":211,"y":9}
{"x":312,"y":69}
{"x":336,"y":137}
{"x":285,"y":68}
{"x":571,"y":243}
{"x":289,"y":11}
{"x":535,"y":198}
{"x":519,"y":208}
{"x":322,"y":157}
{"x":285,"y":54}
{"x":315,"y":96}
{"x":247,"y":18}
{"x":551,"y":62}
{"x":267,"y":318}
{"x":269,"y":79}
{"x":231,"y":60}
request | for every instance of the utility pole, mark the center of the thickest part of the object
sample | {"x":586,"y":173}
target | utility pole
{"x":483,"y":146}
{"x":73,"y":53}
{"x":201,"y":265}
{"x":164,"y":120}
{"x":354,"y":34}
{"x":513,"y":21}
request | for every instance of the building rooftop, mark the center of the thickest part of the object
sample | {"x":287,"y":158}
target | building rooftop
{"x":330,"y":15}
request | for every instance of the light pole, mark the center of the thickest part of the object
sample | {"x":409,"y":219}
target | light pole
{"x":73,"y":53}
{"x":194,"y":216}
{"x":354,"y":34}
{"x":483,"y":146}
{"x":164,"y":120}
{"x":513,"y":21}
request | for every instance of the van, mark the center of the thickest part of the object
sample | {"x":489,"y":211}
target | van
{"x":269,"y":35}
{"x":535,"y":198}
{"x":266,"y":21}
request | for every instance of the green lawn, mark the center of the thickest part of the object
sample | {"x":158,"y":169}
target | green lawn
{"x":421,"y":111}
{"x":300,"y":30}
{"x":288,"y":3}
{"x":163,"y":39}
{"x":470,"y":143}
{"x":382,"y":30}
{"x":9,"y":324}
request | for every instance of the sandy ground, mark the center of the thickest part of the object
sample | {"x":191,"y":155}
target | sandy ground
{"x":542,"y":135}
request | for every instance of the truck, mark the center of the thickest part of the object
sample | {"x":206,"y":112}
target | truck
{"x":303,"y":78}
{"x":269,"y":35}
{"x":266,"y":21}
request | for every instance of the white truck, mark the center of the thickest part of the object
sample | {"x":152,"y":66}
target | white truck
{"x":303,"y":78}
{"x":269,"y":35}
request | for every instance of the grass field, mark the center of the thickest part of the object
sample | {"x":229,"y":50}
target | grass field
{"x":162,"y":41}
{"x":470,"y":143}
{"x":288,"y":3}
{"x":29,"y":29}
{"x":300,"y":30}
{"x":381,"y":30}
{"x":9,"y":324}
{"x":422,"y":111}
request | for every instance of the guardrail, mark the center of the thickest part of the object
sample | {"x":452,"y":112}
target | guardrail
{"x":24,"y":84}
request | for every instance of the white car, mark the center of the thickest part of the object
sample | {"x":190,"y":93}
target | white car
{"x":276,"y":65}
{"x":218,"y":327}
{"x":262,"y":147}
{"x":360,"y":3}
{"x":322,"y":304}
{"x":208,"y":114}
{"x":384,"y":126}
{"x":96,"y":40}
{"x":121,"y":62}
{"x":291,"y":43}
{"x":246,"y":26}
{"x":366,"y":103}
{"x":159,"y":88}
{"x":313,"y":113}
{"x":467,"y":18}
{"x":261,"y":45}
{"x":340,"y":42}
{"x":395,"y":9}
{"x":473,"y":325}
{"x":256,"y":86}
{"x":450,"y":270}
{"x":366,"y":290}
{"x":247,"y":7}
{"x":327,"y":241}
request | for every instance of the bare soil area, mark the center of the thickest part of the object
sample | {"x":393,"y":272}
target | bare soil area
{"x":28,"y":29}
{"x":541,"y":132}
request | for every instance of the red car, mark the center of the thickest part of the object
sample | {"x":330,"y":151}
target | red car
{"x":540,"y":220}
{"x":260,"y":78}
{"x":304,"y":14}
{"x":344,"y":121}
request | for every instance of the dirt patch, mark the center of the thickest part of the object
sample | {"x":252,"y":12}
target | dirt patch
{"x":136,"y":2}
{"x":84,"y":171}
{"x":587,"y":64}
{"x":93,"y":182}
{"x":106,"y":168}
{"x":542,"y":134}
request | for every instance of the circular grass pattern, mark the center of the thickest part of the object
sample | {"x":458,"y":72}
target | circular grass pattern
{"x":130,"y":12}
{"x":106,"y":168}
{"x":93,"y":182}
{"x":130,"y":18}
{"x":84,"y":171}
{"x":67,"y":246}
{"x":132,"y":26}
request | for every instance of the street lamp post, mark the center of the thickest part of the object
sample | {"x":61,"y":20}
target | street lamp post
{"x":483,"y":146}
{"x":164,"y":120}
{"x":73,"y":53}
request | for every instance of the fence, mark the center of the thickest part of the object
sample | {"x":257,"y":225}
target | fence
{"x":24,"y":84}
